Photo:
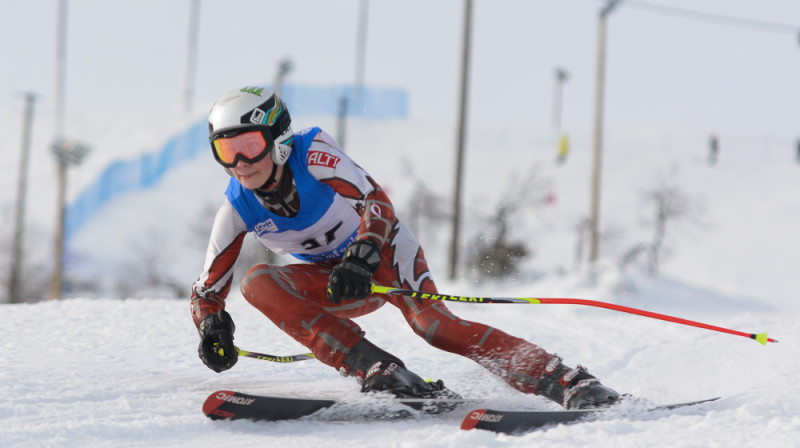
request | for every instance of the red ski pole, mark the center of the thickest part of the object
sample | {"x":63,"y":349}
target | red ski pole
{"x":760,"y":337}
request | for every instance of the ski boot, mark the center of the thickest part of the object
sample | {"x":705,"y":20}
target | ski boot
{"x":574,"y":388}
{"x":379,"y":371}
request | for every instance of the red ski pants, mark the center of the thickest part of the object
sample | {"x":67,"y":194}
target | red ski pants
{"x":294,"y":298}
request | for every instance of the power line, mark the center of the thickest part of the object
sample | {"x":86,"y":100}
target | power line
{"x":719,"y":18}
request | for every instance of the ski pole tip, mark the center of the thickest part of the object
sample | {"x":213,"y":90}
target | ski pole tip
{"x":762,"y":338}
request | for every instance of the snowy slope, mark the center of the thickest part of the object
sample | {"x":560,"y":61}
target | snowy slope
{"x":124,"y":372}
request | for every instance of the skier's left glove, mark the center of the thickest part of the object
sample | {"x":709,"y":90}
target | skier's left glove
{"x":216,"y":332}
{"x":352,"y":277}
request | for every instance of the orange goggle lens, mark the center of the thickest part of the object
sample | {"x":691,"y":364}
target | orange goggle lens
{"x":249,"y":147}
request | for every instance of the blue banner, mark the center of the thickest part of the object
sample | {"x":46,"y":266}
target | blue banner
{"x":142,"y":172}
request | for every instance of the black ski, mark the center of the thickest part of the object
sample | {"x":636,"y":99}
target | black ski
{"x":230,"y":405}
{"x":517,"y":422}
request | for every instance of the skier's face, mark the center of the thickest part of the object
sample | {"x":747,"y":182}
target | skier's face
{"x":254,"y":175}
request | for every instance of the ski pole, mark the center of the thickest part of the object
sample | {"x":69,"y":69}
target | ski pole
{"x":762,"y":338}
{"x":266,"y":357}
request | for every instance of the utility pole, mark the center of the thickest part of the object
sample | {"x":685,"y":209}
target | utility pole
{"x":561,"y":77}
{"x":191,"y":56}
{"x":462,"y":131}
{"x":354,"y":99}
{"x":561,"y":136}
{"x":61,"y":63}
{"x":58,"y":257}
{"x":594,"y":213}
{"x":67,"y":152}
{"x":14,"y":290}
{"x":341,"y":121}
{"x":361,"y":54}
{"x":285,"y":66}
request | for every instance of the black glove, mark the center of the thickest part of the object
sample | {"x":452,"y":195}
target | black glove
{"x":352,"y":277}
{"x":216,"y":332}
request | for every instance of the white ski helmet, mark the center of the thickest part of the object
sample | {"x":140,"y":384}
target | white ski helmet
{"x":249,"y":109}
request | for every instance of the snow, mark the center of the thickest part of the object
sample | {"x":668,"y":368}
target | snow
{"x":122,"y":370}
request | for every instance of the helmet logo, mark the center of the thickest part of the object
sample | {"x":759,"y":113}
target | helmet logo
{"x":253,"y":90}
{"x":257,"y":116}
{"x":281,"y":154}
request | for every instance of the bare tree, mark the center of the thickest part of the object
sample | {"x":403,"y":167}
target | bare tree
{"x":425,"y":210}
{"x":670,"y":206}
{"x":496,"y":255}
{"x":148,"y":272}
{"x":581,"y":235}
{"x":33,"y":270}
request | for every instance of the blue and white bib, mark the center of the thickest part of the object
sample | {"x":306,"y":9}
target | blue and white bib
{"x":325,"y":224}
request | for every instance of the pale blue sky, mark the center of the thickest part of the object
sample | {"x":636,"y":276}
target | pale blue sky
{"x":665,"y":70}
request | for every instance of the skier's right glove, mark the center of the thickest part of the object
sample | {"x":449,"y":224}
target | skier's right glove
{"x":216,"y":333}
{"x":352,"y":277}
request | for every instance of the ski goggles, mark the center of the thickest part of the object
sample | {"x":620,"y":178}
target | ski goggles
{"x":249,"y":147}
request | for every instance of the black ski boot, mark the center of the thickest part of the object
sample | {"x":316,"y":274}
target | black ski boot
{"x":395,"y":378}
{"x":379,"y":371}
{"x":574,"y":388}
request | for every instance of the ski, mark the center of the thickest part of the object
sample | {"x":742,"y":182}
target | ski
{"x":518,"y":422}
{"x":231,"y":405}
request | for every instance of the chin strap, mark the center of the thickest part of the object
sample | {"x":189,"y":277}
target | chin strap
{"x":271,"y":180}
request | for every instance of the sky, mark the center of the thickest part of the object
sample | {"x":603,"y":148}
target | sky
{"x":666,"y":68}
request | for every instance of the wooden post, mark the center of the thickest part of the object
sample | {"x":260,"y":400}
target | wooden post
{"x":14,"y":289}
{"x":594,"y":211}
{"x":462,"y":130}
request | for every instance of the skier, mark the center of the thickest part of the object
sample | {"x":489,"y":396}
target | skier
{"x":300,"y":194}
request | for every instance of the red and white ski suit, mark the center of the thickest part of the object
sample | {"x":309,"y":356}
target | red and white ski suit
{"x":294,"y":296}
